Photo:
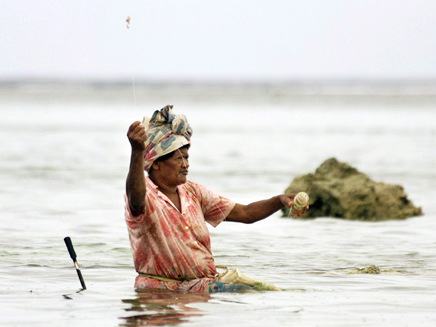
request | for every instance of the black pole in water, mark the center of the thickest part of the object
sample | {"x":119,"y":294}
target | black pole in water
{"x":73,"y":256}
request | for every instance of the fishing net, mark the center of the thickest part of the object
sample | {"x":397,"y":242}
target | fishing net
{"x":236,"y":277}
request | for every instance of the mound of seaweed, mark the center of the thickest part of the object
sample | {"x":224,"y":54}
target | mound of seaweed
{"x":338,"y":190}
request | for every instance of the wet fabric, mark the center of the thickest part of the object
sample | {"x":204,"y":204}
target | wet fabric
{"x":169,"y":243}
{"x":198,"y":285}
{"x":166,"y":132}
{"x":201,"y":285}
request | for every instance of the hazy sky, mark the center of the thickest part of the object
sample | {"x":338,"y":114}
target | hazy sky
{"x":236,"y":39}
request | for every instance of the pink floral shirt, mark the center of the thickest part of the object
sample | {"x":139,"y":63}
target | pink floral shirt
{"x":168,"y":243}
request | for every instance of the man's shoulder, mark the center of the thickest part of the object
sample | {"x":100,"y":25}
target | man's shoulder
{"x":195,"y":189}
{"x":191,"y":186}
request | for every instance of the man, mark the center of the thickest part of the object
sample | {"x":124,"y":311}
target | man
{"x":166,"y":214}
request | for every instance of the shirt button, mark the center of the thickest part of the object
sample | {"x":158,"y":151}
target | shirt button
{"x":186,"y":227}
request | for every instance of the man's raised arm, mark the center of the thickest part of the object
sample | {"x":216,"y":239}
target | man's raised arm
{"x":135,"y":183}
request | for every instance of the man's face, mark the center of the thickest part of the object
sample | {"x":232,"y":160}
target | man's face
{"x":174,"y":170}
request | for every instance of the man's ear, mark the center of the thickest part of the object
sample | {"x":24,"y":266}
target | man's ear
{"x":155,"y":165}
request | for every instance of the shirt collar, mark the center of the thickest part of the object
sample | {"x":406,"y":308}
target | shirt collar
{"x":180,"y":189}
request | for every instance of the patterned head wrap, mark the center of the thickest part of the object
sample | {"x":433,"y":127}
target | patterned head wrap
{"x":166,"y":132}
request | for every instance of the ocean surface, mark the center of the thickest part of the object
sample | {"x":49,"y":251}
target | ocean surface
{"x":64,"y":157}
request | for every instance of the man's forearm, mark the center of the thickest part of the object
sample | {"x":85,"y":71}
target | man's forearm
{"x":262,"y":209}
{"x":135,"y":183}
{"x":257,"y":210}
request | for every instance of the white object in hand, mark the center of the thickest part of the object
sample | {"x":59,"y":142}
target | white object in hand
{"x":300,"y":202}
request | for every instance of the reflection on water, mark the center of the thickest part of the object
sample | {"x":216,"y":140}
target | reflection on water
{"x":161,"y":307}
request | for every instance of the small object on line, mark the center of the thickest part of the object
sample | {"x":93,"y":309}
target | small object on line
{"x":300,"y":202}
{"x":73,"y":256}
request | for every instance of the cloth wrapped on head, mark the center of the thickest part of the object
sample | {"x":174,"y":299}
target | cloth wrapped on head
{"x":166,"y":132}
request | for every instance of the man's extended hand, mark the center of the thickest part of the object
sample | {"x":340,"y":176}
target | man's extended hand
{"x":288,"y":200}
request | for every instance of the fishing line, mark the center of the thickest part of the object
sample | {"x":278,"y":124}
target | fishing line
{"x":131,"y":60}
{"x":185,"y":162}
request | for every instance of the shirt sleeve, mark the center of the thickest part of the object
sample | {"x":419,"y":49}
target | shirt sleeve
{"x":128,"y":214}
{"x":215,"y":208}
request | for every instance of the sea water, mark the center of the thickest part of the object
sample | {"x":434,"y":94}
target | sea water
{"x":64,"y":157}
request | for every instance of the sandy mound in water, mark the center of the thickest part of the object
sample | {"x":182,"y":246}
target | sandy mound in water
{"x":341,"y":191}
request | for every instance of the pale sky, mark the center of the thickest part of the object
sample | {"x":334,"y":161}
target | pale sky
{"x":218,"y":40}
